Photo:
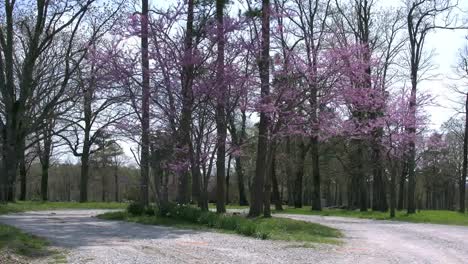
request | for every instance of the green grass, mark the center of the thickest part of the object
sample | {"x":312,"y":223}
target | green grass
{"x":263,"y":228}
{"x":20,"y":243}
{"x":423,"y":216}
{"x":41,"y":206}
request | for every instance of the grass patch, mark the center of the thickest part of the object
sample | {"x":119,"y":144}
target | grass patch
{"x":262,"y":228}
{"x":20,"y":243}
{"x":59,"y":258}
{"x":18,"y":207}
{"x":424,"y":216}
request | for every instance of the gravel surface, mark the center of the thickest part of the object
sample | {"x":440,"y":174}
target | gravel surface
{"x":87,"y":239}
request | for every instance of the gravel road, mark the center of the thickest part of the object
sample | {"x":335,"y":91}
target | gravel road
{"x":87,"y":239}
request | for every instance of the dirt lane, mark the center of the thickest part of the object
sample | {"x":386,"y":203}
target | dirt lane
{"x":399,"y":242}
{"x":91,"y":240}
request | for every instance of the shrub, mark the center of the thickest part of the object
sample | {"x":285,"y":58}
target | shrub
{"x":234,"y":223}
{"x":230,"y":222}
{"x":209,"y":219}
{"x":164,"y":210}
{"x":262,"y":235}
{"x":150,"y":211}
{"x":114,"y":216}
{"x":136,"y":209}
{"x":247,"y":228}
{"x":189,"y":213}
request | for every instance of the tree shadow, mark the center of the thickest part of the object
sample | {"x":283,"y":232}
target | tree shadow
{"x":78,"y":229}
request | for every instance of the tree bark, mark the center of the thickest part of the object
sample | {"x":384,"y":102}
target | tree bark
{"x":228,"y":175}
{"x":393,"y":175}
{"x":116,"y":184}
{"x":87,"y":142}
{"x":298,"y":182}
{"x":237,"y":140}
{"x":316,"y":195}
{"x":276,"y":197}
{"x":290,"y":171}
{"x":10,"y":165}
{"x":84,"y":177}
{"x":45,"y":154}
{"x":412,"y":148}
{"x":269,"y":178}
{"x":360,"y":174}
{"x":257,"y":195}
{"x":145,"y":119}
{"x":23,"y":174}
{"x":220,"y":112}
{"x":401,"y":188}
{"x":462,"y":183}
{"x":195,"y":168}
{"x":379,"y":194}
{"x":183,"y":191}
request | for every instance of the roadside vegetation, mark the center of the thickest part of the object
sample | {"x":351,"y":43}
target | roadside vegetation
{"x":18,"y":207}
{"x":424,"y":216}
{"x":262,"y":228}
{"x":443,"y":217}
{"x":14,"y":241}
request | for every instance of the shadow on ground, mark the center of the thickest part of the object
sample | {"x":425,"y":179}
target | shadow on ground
{"x":76,"y":229}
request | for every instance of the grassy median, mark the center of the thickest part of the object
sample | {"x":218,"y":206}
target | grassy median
{"x":262,"y":228}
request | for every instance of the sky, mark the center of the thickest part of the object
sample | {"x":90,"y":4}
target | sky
{"x":446,"y":44}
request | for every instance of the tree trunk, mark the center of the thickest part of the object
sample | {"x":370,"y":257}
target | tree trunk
{"x":23,"y":175}
{"x":240,"y":182}
{"x":84,"y":177}
{"x":462,"y":183}
{"x":401,"y":188}
{"x":103,"y":187}
{"x":220,"y":112}
{"x":269,"y":178}
{"x":411,"y":129}
{"x":361,"y":179}
{"x":196,"y":176}
{"x":145,"y":119}
{"x":257,"y":196}
{"x":276,"y":193}
{"x":183,"y":191}
{"x":10,"y":165}
{"x":379,"y":194}
{"x":298,"y":182}
{"x":228,"y":174}
{"x":290,"y":172}
{"x":87,"y":142}
{"x":45,"y":180}
{"x":44,"y":158}
{"x":411,"y":180}
{"x":116,"y":183}
{"x":316,"y":195}
{"x":268,"y":182}
{"x":237,"y":141}
{"x":393,"y":175}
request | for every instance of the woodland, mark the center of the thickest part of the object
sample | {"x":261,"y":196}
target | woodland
{"x":266,"y":104}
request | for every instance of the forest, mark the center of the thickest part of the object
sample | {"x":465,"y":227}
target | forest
{"x":266,"y":104}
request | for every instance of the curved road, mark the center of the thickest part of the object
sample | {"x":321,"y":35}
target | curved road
{"x":90,"y":240}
